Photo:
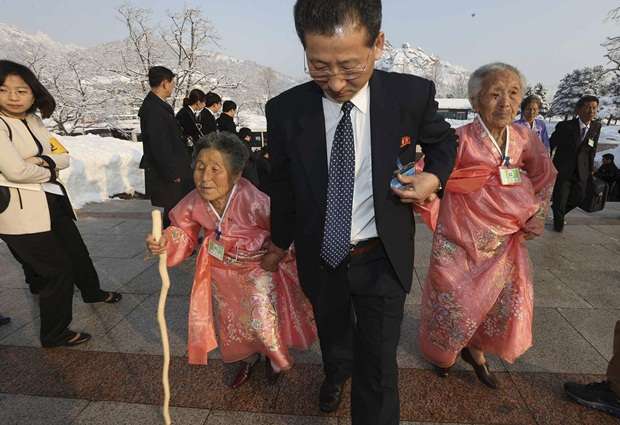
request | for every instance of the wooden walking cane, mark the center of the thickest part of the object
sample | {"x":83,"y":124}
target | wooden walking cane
{"x":161,"y":316}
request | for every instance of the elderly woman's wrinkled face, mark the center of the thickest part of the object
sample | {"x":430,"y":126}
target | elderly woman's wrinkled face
{"x":531,"y":111}
{"x":15,"y":96}
{"x":500,"y":99}
{"x":212,"y":177}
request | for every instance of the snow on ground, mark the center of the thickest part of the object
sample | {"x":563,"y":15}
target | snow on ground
{"x":101,"y":167}
{"x":105,"y":166}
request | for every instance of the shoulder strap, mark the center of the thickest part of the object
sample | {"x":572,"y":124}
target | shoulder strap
{"x":9,"y":128}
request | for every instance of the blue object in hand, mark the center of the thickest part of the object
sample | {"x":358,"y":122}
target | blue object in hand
{"x":405,"y":170}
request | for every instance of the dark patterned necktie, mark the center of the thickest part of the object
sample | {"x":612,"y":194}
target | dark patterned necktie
{"x":337,"y":231}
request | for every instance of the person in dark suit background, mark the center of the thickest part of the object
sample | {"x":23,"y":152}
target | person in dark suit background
{"x":226,"y":120}
{"x":213,"y":105}
{"x":188,"y":120}
{"x":257,"y":167}
{"x":166,"y":162}
{"x":574,"y":144}
{"x":353,"y":235}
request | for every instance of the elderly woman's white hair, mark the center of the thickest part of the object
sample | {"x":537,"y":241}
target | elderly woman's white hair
{"x":476,"y":80}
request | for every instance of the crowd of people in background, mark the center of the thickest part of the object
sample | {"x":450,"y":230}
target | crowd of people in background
{"x":314,"y":237}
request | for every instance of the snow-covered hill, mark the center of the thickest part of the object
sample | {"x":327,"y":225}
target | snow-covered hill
{"x":451,"y":80}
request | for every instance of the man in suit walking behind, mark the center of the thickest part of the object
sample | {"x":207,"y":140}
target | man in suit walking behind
{"x":226,"y":120}
{"x":574,"y":142}
{"x":213,"y":103}
{"x":333,"y":146}
{"x":166,"y":162}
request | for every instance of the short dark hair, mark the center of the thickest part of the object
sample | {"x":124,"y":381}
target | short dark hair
{"x":229,"y":145}
{"x":43,"y":100}
{"x":229,"y":105}
{"x":323,"y":16}
{"x":159,"y":74}
{"x":609,"y":156}
{"x":586,"y":99}
{"x":195,"y":96}
{"x":531,"y":99}
{"x":212,"y":98}
{"x":244,"y":132}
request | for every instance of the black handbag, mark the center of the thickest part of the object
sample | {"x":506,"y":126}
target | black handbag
{"x":596,"y":195}
{"x":5,"y":193}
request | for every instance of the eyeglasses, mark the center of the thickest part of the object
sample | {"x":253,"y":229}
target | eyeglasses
{"x":323,"y":74}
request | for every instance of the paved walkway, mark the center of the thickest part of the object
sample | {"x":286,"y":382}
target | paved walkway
{"x":114,"y":379}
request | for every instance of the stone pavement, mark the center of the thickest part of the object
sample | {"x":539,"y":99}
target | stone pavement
{"x":115,"y":378}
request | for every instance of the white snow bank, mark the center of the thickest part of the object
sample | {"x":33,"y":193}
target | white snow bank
{"x":101,"y":167}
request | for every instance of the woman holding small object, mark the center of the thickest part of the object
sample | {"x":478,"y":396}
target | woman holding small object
{"x":254,"y":311}
{"x":36,"y":217}
{"x":478,"y":296}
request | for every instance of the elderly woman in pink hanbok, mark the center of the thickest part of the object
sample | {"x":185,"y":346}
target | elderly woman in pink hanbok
{"x":252,"y":311}
{"x":478,"y":296}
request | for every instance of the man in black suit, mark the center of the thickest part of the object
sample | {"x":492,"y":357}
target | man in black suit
{"x":213,"y":103}
{"x":353,"y":235}
{"x":574,"y":143}
{"x":226,"y":120}
{"x":166,"y":162}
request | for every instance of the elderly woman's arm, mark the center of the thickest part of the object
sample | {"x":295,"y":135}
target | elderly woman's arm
{"x":541,"y":172}
{"x":180,"y":239}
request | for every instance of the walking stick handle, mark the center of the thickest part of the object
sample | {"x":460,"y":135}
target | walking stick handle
{"x":161,"y":316}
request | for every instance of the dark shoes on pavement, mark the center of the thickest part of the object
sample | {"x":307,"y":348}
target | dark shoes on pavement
{"x":4,"y":320}
{"x":597,"y":395}
{"x":330,"y":396}
{"x":245,"y":371}
{"x":71,"y":339}
{"x":483,"y":372}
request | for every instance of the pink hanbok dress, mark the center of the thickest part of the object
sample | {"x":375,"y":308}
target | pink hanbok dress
{"x":479,"y":291}
{"x":249,"y":309}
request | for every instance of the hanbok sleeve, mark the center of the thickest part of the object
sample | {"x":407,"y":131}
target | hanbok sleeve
{"x":183,"y":232}
{"x":261,"y":210}
{"x":541,"y":172}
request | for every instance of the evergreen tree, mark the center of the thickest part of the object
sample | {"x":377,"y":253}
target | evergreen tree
{"x":580,"y":82}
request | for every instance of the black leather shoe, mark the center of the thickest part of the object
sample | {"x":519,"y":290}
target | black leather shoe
{"x":442,"y":372}
{"x":330,"y":396}
{"x":482,"y":370}
{"x":243,"y":373}
{"x":4,"y":320}
{"x":597,"y":396}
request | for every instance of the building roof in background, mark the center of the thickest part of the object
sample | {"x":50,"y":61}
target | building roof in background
{"x":454,"y":104}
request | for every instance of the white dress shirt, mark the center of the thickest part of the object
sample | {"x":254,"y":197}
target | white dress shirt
{"x":363,"y":214}
{"x":583,"y":125}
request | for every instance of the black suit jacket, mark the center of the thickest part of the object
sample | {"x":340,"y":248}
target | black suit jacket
{"x":226,"y":123}
{"x":400,"y":105}
{"x":208,"y":122}
{"x":165,"y":156}
{"x":187,"y":121}
{"x":572,"y":157}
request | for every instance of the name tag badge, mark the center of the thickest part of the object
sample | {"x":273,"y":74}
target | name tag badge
{"x":509,"y":176}
{"x":216,"y":250}
{"x":591,"y":143}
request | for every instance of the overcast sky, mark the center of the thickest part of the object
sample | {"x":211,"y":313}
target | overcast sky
{"x":544,"y":38}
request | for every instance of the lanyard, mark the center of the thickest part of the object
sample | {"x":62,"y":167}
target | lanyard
{"x":505,"y":157}
{"x":218,"y":229}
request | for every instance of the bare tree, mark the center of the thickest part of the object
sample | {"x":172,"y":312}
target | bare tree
{"x":612,"y":44}
{"x":141,"y":45}
{"x":78,"y":102}
{"x":187,"y":36}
